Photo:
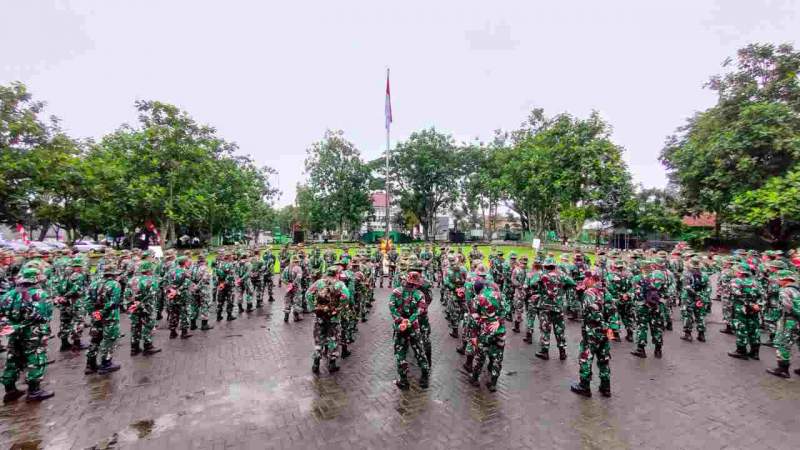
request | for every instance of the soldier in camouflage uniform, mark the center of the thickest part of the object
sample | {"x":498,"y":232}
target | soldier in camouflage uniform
{"x":618,"y":284}
{"x":773,"y":308}
{"x":600,"y":320}
{"x":695,"y":302}
{"x":454,"y":294}
{"x":347,"y":315}
{"x":507,"y":291}
{"x":405,"y":306}
{"x":315,"y":265}
{"x":200,"y":292}
{"x":325,"y":299}
{"x":475,"y":257}
{"x":392,"y":257}
{"x":292,"y":275}
{"x":284,"y":257}
{"x":104,"y":300}
{"x":518,"y":277}
{"x":255,"y":285}
{"x":225,"y":279}
{"x":747,"y":299}
{"x":650,"y":290}
{"x":532,"y":299}
{"x":268,"y":270}
{"x":178,"y":296}
{"x":789,"y":325}
{"x":140,"y":296}
{"x":574,"y":300}
{"x":490,"y":313}
{"x":550,"y":288}
{"x":724,"y":293}
{"x":25,"y":314}
{"x":71,"y":296}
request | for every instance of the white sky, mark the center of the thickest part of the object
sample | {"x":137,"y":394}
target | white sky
{"x":272,"y":76}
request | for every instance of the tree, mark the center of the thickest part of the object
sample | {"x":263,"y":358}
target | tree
{"x":338,"y":181}
{"x":427,"y":169}
{"x":749,"y":137}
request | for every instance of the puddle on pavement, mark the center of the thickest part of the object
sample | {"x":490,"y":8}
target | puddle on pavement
{"x":330,"y":399}
{"x":142,"y":429}
{"x":35,"y":444}
{"x":597,"y":428}
{"x":484,"y":406}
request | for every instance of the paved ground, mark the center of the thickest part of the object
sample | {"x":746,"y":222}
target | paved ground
{"x":247,"y":384}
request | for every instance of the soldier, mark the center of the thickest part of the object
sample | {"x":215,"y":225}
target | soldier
{"x":496,"y":269}
{"x":284,"y":258}
{"x":242,"y":289}
{"x":578,"y":269}
{"x":325,"y":299}
{"x":508,"y":285}
{"x":599,"y":322}
{"x":491,"y":338}
{"x":550,"y":304}
{"x":405,"y":307}
{"x":618,"y":285}
{"x":347,"y":314}
{"x":25,"y":314}
{"x":267,"y":271}
{"x":329,"y":257}
{"x":104,"y":299}
{"x":518,"y":277}
{"x":292,"y":275}
{"x":392,"y":258}
{"x":140,"y":302}
{"x":200,"y":293}
{"x":650,"y":290}
{"x":225,"y":276}
{"x":747,"y":299}
{"x":178,"y":284}
{"x":695,"y":302}
{"x":71,"y":295}
{"x":773,"y":308}
{"x":454,"y":293}
{"x":532,"y":299}
{"x":724,"y":293}
{"x":789,"y":324}
{"x":315,"y":265}
{"x":475,"y":257}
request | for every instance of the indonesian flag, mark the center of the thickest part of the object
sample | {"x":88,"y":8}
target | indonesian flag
{"x":388,"y":103}
{"x":23,"y":234}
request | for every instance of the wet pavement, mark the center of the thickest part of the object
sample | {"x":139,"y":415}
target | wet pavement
{"x":248,"y":384}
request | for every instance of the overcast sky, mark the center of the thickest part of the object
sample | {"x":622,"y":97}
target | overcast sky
{"x":273,"y":76}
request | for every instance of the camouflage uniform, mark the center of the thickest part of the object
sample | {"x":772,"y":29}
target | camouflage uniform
{"x":178,"y":284}
{"x":618,"y":284}
{"x":773,"y":308}
{"x":225,"y":276}
{"x":104,"y":300}
{"x":695,"y":302}
{"x":284,"y":258}
{"x":392,"y":256}
{"x":292,"y":275}
{"x":724,"y":293}
{"x":405,"y":306}
{"x":550,"y":304}
{"x":650,"y":290}
{"x":200,"y":292}
{"x":491,"y":337}
{"x":268,"y":270}
{"x":789,"y":325}
{"x":747,"y":299}
{"x":243,"y":290}
{"x":599,"y":321}
{"x":140,"y":302}
{"x":520,"y":293}
{"x":454,"y":295}
{"x":325,"y":298}
{"x":27,"y":312}
{"x":475,"y":257}
{"x":70,"y":301}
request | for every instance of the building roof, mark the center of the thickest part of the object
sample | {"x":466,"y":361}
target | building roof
{"x":702,"y":220}
{"x":378,"y":199}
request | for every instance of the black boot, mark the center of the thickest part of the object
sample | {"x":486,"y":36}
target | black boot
{"x":159,"y":316}
{"x":781,"y":371}
{"x":150,"y":350}
{"x":135,"y":349}
{"x":173,"y":334}
{"x":616,"y":336}
{"x":65,"y":345}
{"x":241,"y":308}
{"x":639,"y":352}
{"x":581,"y":388}
{"x":345,"y":352}
{"x":205,"y":326}
{"x":475,"y":379}
{"x":271,"y":298}
{"x":629,"y":336}
{"x":185,"y":334}
{"x":726,"y":330}
{"x":424,"y":380}
{"x":605,"y":388}
{"x":12,"y":393}
{"x":669,"y":326}
{"x":260,"y":304}
{"x":516,"y":327}
{"x":285,"y":317}
{"x":754,"y":351}
{"x":454,"y":333}
{"x":740,"y":353}
{"x":468,"y":364}
{"x":657,"y":352}
{"x":687,"y":336}
{"x":402,"y":384}
{"x":297,"y":317}
{"x":543,"y":354}
{"x":315,"y":365}
{"x":107,"y":367}
{"x":332,"y":366}
{"x":701,"y":336}
{"x":429,"y":354}
{"x":36,"y":393}
{"x":249,"y":307}
{"x":797,"y":372}
{"x":771,"y":340}
{"x":230,"y":318}
{"x":91,"y":366}
{"x":461,"y":349}
{"x":492,"y":384}
{"x":193,"y":325}
{"x":528,"y":338}
{"x":562,"y":354}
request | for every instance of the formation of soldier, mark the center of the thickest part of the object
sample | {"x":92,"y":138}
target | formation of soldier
{"x":632,"y":292}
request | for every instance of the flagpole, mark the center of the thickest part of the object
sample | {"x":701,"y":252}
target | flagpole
{"x":388,"y":198}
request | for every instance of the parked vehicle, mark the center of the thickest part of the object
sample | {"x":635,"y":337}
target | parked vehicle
{"x":17,"y":246}
{"x":88,"y":246}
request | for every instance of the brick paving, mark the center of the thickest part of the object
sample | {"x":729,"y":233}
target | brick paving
{"x":248,"y":384}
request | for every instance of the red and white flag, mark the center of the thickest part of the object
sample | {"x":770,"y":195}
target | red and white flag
{"x":23,"y":234}
{"x":388,"y":103}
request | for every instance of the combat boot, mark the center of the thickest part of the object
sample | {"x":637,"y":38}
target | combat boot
{"x":771,"y":340}
{"x":543,"y":354}
{"x":65,"y":345}
{"x":315,"y":365}
{"x":107,"y":366}
{"x":605,"y":388}
{"x":332,"y":366}
{"x":461,"y":349}
{"x":91,"y":366}
{"x":468,"y":364}
{"x":429,"y":354}
{"x":135,"y":349}
{"x":475,"y":379}
{"x":193,"y":325}
{"x":173,"y":334}
{"x":454,"y":333}
{"x":687,"y":336}
{"x":516,"y":327}
{"x":797,"y":372}
{"x":219,"y":316}
{"x":260,"y":303}
{"x":150,"y":350}
{"x":36,"y":393}
{"x":285,"y":317}
{"x":77,"y":345}
{"x":657,"y":352}
{"x":159,"y":315}
{"x":249,"y":307}
{"x":241,"y":308}
{"x":492,"y":384}
{"x":402,"y":384}
{"x":740,"y":353}
{"x":528,"y":338}
{"x":639,"y":352}
{"x":669,"y":325}
{"x":271,"y":298}
{"x":616,"y":336}
{"x":581,"y":388}
{"x":12,"y":393}
{"x":230,"y":318}
{"x":562,"y":354}
{"x":424,"y":379}
{"x":185,"y":334}
{"x":781,"y":371}
{"x":701,"y":336}
{"x":297,"y":317}
{"x":205,"y":326}
{"x":629,"y":336}
{"x":754,"y":351}
{"x":726,"y":330}
{"x":345,"y":351}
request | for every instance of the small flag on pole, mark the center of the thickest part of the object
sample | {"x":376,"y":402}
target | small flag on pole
{"x":388,"y":102}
